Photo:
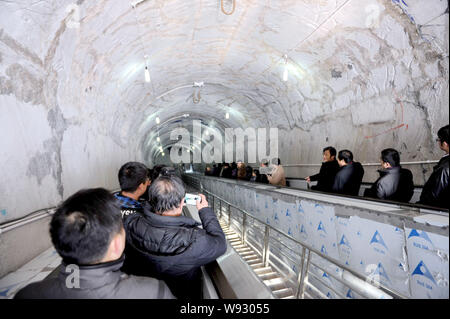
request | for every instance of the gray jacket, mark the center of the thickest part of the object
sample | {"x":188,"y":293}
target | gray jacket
{"x":102,"y":281}
{"x":394,"y":183}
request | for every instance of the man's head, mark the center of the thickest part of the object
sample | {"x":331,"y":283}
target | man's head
{"x":443,"y":138}
{"x":390,"y":158}
{"x":87,"y":228}
{"x":329,"y":154}
{"x":156,"y":171}
{"x":166,"y":195}
{"x":133,"y":178}
{"x":345,"y":157}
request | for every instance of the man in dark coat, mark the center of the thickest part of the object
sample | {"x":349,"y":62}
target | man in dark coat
{"x":435,"y":191}
{"x":163,"y":244}
{"x":226,"y":172}
{"x":349,"y":177}
{"x":328,"y":171}
{"x":395,"y":183}
{"x":88,"y":234}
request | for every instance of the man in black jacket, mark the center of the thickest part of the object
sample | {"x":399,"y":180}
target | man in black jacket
{"x":226,"y":171}
{"x":349,"y":177}
{"x":163,"y":244}
{"x":328,"y":171}
{"x":88,"y":234}
{"x":435,"y":190}
{"x":395,"y":183}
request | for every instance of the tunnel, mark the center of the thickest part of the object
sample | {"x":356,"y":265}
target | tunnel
{"x":86,"y":86}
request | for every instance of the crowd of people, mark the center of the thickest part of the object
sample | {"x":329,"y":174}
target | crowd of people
{"x":136,"y":243}
{"x":341,"y":174}
{"x":240,"y":171}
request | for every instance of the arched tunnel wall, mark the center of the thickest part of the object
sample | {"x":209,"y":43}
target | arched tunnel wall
{"x":74,"y":104}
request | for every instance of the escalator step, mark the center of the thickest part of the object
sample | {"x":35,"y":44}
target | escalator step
{"x":263,"y":270}
{"x":284,"y":293}
{"x":269,"y":275}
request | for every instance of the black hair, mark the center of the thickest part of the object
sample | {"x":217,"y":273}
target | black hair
{"x":156,"y":171}
{"x":345,"y":155}
{"x":166,"y":193}
{"x":131,"y":175}
{"x":391,"y":156}
{"x":443,"y":134}
{"x":149,"y":173}
{"x":84,"y":224}
{"x":330,"y":149}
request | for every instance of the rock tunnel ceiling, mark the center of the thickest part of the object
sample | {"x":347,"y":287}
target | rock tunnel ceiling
{"x":75,"y":105}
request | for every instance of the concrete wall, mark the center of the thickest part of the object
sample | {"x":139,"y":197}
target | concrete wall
{"x":22,"y":244}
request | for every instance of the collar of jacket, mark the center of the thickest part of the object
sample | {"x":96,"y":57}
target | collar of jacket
{"x":392,"y":170}
{"x":442,"y":161}
{"x":329,"y":163}
{"x":349,"y":165}
{"x":127,"y":202}
{"x":94,"y":276}
{"x":170,"y":221}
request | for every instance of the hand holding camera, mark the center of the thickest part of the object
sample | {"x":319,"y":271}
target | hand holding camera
{"x":202,"y":203}
{"x":198,"y":200}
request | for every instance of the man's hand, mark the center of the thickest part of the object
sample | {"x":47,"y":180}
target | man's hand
{"x":201,"y":203}
{"x":308,"y":179}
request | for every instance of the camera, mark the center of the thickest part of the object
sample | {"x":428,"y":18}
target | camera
{"x":191,"y":199}
{"x":266,"y":170}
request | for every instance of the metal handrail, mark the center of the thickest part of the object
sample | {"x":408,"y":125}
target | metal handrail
{"x":326,"y":285}
{"x":363,"y":164}
{"x":310,"y":249}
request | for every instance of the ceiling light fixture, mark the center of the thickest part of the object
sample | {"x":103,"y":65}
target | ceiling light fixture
{"x":146,"y":70}
{"x":196,"y":95}
{"x":147,"y":75}
{"x":157,"y":120}
{"x":285,"y":73}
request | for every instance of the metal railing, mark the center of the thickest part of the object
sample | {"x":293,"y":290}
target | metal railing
{"x":364,"y":286}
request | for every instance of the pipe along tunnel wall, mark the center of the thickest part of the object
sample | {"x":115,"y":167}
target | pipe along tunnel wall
{"x":405,"y":249}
